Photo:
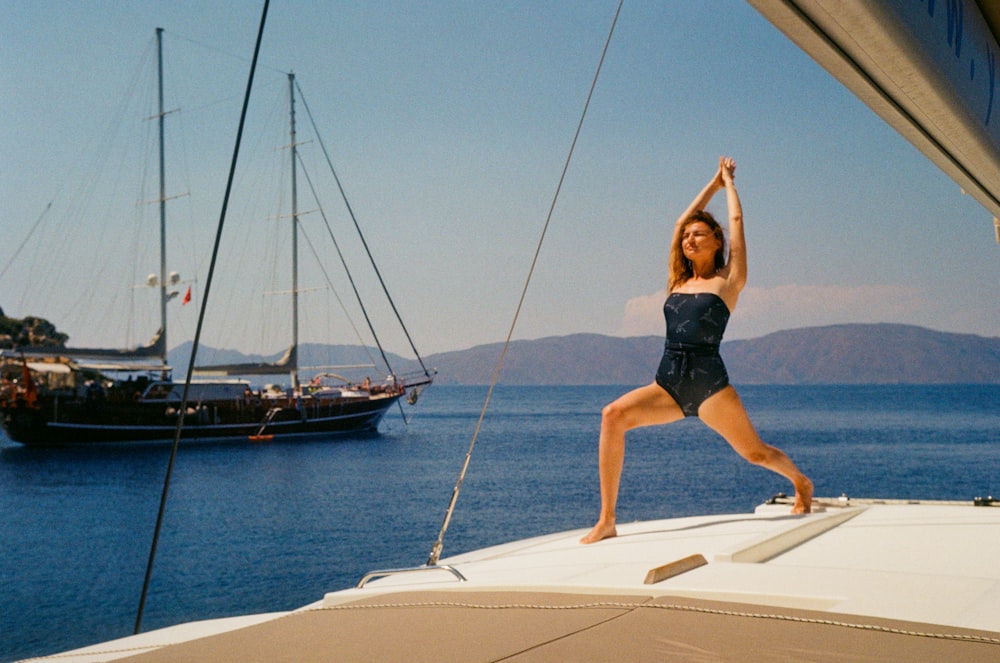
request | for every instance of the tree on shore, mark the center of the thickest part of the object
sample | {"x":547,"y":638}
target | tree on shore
{"x":31,"y":331}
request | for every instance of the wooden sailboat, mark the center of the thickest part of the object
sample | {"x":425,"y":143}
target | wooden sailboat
{"x":84,"y":406}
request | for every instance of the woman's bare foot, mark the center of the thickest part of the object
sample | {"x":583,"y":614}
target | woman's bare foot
{"x":601,"y":531}
{"x":803,"y":497}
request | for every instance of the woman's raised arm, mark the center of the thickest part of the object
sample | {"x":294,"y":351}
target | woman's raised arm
{"x":736,"y":275}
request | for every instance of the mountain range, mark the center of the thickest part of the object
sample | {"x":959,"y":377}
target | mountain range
{"x":837,"y":354}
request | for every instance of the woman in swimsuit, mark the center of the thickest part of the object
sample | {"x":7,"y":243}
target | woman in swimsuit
{"x":691,"y":379}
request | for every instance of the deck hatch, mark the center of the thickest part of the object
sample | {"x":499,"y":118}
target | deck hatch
{"x":773,"y":544}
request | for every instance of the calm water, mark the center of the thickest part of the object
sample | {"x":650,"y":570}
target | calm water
{"x":252,"y":528}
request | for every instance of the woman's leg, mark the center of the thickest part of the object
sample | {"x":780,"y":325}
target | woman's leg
{"x":644,"y":406}
{"x":724,"y":413}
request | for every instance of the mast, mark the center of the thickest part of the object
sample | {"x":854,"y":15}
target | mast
{"x":295,"y":237}
{"x":163,"y":205}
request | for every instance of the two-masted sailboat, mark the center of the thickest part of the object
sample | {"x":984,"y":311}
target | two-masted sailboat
{"x":63,"y":396}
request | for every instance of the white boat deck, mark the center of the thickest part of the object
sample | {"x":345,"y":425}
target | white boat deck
{"x":935,"y":563}
{"x":837,"y":582}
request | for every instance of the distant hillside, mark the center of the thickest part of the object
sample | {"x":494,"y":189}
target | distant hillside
{"x":870,"y":354}
{"x":582,"y":359}
{"x":838,"y":354}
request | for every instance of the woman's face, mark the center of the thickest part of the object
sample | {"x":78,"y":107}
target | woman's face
{"x":698,"y":240}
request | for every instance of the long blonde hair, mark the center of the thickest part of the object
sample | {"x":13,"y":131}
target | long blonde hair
{"x":680,"y":267}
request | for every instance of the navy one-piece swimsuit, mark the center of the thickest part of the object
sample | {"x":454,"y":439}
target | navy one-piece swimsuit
{"x":691,"y":369}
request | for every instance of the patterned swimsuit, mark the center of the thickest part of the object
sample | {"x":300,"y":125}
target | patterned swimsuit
{"x":691,"y":369}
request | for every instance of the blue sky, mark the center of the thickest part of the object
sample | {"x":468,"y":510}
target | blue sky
{"x":449,"y":123}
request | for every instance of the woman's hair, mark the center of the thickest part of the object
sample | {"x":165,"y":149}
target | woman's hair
{"x":680,"y":267}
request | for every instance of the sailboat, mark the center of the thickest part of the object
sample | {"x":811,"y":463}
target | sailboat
{"x":56,"y":396}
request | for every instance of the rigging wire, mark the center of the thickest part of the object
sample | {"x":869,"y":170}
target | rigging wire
{"x":361,"y":235}
{"x":27,"y":237}
{"x":215,"y":48}
{"x":333,"y":289}
{"x":435,"y":553}
{"x":201,"y":319}
{"x":61,"y":234}
{"x":343,"y":262}
{"x":350,"y":279}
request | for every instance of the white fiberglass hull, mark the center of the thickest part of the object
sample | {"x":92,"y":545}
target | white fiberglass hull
{"x":866,"y":580}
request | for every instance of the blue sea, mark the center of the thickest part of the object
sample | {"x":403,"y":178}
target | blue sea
{"x":266,"y":527}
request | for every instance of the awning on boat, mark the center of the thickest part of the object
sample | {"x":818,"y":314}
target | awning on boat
{"x":130,"y":366}
{"x":155,"y":348}
{"x":288,"y":361}
{"x":47,"y":367}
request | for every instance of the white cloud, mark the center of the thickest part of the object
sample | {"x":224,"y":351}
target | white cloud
{"x":643,"y":315}
{"x":765,"y":310}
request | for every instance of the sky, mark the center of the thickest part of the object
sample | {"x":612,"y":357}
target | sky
{"x":449,"y":124}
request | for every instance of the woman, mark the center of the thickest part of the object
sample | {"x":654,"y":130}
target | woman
{"x":692,"y":380}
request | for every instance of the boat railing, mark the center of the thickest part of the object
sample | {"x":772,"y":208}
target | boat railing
{"x":845,"y":501}
{"x":372,"y":575}
{"x":416,"y":378}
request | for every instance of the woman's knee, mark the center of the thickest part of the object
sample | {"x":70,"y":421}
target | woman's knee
{"x":615,"y":415}
{"x":612,"y":412}
{"x":759,"y":454}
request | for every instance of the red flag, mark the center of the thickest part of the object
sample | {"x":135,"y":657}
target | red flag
{"x":187,"y":296}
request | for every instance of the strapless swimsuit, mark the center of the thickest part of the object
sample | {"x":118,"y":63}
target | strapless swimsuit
{"x":691,"y":369}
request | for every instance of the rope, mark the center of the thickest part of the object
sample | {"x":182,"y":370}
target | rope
{"x":439,"y":544}
{"x":201,"y":320}
{"x":595,"y":605}
{"x":669,"y":606}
